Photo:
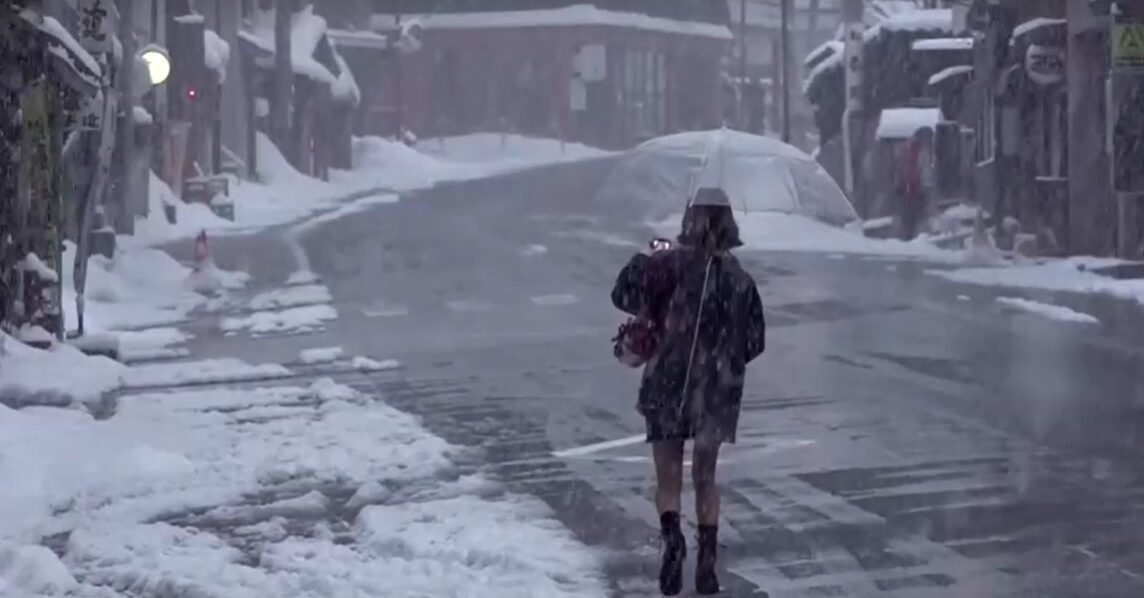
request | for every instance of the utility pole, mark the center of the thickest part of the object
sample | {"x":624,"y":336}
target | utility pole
{"x":283,"y":89}
{"x":785,"y":42}
{"x":742,"y":59}
{"x":854,"y":32}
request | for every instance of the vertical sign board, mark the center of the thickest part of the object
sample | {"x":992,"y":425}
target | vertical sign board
{"x":855,"y":34}
{"x":39,"y":172}
{"x":1125,"y":94}
{"x":96,"y":25}
{"x":852,"y":55}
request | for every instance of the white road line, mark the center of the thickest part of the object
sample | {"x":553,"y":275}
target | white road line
{"x":555,"y":300}
{"x":469,"y":305}
{"x":385,"y":311}
{"x":600,"y":446}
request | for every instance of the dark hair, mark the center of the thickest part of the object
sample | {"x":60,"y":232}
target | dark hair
{"x":710,"y":227}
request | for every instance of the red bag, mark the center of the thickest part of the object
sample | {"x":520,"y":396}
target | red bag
{"x":636,"y":341}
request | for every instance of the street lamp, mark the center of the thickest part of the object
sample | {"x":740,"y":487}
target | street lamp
{"x":158,"y":63}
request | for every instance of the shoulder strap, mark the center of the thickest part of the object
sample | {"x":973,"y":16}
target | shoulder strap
{"x":695,"y":335}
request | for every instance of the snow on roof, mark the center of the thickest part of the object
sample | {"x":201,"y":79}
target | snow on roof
{"x":70,"y":47}
{"x":358,"y":39}
{"x":345,"y":87}
{"x":830,"y":46}
{"x":834,"y":60}
{"x":579,"y":15}
{"x":190,"y":18}
{"x":307,"y":32}
{"x":216,"y":53}
{"x":1034,"y":24}
{"x":914,"y":20}
{"x":943,"y":43}
{"x":900,"y":123}
{"x":950,"y":72}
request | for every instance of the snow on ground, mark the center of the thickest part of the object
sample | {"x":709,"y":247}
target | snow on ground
{"x":320,"y":355}
{"x":764,"y":231}
{"x":199,"y":372}
{"x":292,"y":296}
{"x":30,"y":375}
{"x":295,"y":320}
{"x":384,"y":163}
{"x":283,"y":195}
{"x":365,"y":364}
{"x":115,"y":485}
{"x":1068,"y":275}
{"x":1054,"y":312}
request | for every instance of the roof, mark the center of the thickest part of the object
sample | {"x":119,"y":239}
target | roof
{"x":703,"y":11}
{"x":577,"y":15}
{"x":949,"y":73}
{"x":939,"y":44}
{"x":902,"y":123}
{"x":311,"y":52}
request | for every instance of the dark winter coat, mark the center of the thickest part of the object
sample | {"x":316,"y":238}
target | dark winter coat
{"x":668,"y":286}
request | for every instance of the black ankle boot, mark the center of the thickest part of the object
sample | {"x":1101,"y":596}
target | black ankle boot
{"x":674,"y":552}
{"x":706,"y":582}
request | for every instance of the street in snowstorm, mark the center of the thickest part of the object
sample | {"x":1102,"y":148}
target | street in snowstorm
{"x":571,"y":299}
{"x":896,"y":439}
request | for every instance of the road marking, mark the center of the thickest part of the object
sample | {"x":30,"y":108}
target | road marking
{"x":600,"y":446}
{"x":555,"y":300}
{"x":384,"y":311}
{"x":469,"y":305}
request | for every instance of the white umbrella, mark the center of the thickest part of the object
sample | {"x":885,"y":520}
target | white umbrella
{"x":759,"y":174}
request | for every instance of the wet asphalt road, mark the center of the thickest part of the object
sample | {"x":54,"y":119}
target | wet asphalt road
{"x":896,"y":440}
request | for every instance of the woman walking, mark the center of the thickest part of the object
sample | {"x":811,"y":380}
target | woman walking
{"x":708,"y":324}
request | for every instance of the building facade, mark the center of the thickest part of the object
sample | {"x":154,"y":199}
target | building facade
{"x":588,"y":73}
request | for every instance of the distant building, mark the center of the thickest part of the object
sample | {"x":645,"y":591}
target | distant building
{"x":610,"y":73}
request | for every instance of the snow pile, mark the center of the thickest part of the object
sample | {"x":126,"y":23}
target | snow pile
{"x":190,"y":218}
{"x":216,"y":53}
{"x":308,"y":294}
{"x":1065,"y":275}
{"x":790,"y":232}
{"x":112,"y":483}
{"x":320,"y":355}
{"x":201,"y":372}
{"x":56,"y":376}
{"x":296,"y":320}
{"x":390,"y":164}
{"x":395,"y":165}
{"x":503,"y":152}
{"x":579,"y":15}
{"x":137,"y":288}
{"x":1054,"y":312}
{"x":901,"y":123}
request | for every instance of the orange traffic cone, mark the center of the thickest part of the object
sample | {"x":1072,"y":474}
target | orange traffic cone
{"x":202,"y":252}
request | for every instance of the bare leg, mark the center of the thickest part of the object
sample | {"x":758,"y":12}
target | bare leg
{"x":668,"y":456}
{"x":706,"y":457}
{"x":704,"y":460}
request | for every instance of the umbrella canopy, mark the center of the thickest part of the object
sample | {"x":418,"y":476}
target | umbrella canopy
{"x":759,"y":174}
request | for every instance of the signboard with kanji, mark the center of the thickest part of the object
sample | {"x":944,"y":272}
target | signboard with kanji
{"x":852,"y":55}
{"x":96,"y":25}
{"x":1128,"y":44}
{"x":88,"y":116}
